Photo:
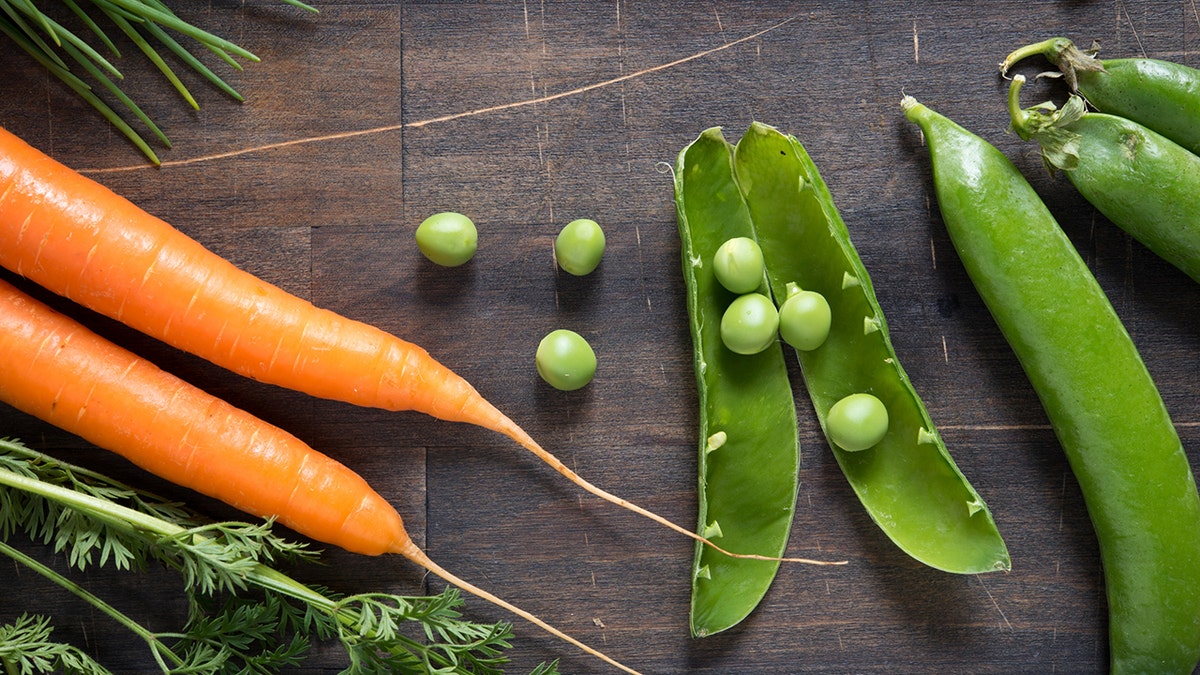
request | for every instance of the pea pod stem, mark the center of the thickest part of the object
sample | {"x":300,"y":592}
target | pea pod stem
{"x":1071,"y":60}
{"x":1160,"y":95}
{"x":1104,"y":407}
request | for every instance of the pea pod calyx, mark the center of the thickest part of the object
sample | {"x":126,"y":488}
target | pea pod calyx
{"x":1049,"y":126}
{"x":1139,"y":179}
{"x":1163,"y":96}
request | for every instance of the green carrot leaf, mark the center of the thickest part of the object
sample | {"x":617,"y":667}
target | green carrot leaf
{"x":26,"y":647}
{"x":55,"y":46}
{"x":243,"y":614}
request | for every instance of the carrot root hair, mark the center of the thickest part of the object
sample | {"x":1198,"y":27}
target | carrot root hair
{"x":409,"y":550}
{"x":510,"y":429}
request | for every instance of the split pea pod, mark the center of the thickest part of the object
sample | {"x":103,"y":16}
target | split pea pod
{"x":1142,"y":181}
{"x":907,"y":481}
{"x":1101,"y":401}
{"x":749,"y":446}
{"x":1161,"y":95}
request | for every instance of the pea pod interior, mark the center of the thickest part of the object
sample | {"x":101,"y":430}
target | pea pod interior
{"x":749,"y":448}
{"x":908,"y":483}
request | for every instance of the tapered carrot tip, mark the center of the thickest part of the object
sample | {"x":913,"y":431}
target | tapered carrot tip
{"x":409,"y":550}
{"x":510,"y":429}
{"x":462,"y":402}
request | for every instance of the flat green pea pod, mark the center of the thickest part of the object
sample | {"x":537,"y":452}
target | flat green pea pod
{"x":749,"y":445}
{"x":1143,"y":182}
{"x":907,"y":482}
{"x":1161,"y":95}
{"x":1105,"y":409}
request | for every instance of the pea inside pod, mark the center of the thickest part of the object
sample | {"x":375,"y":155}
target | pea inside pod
{"x":749,"y":451}
{"x":804,"y":319}
{"x":907,"y":481}
{"x":857,"y":422}
{"x":750,"y":324}
{"x":738,"y":264}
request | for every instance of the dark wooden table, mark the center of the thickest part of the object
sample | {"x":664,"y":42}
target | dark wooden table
{"x":363,"y":119}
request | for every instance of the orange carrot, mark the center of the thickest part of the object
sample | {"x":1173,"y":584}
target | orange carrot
{"x":55,"y":369}
{"x":77,"y":238}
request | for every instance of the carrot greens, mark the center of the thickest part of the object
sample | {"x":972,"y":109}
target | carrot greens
{"x":243,"y":614}
{"x":26,"y":647}
{"x":145,"y":24}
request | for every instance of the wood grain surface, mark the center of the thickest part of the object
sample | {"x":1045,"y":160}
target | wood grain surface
{"x":365,"y":118}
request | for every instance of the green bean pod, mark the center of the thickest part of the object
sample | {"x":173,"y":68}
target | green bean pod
{"x":1142,"y":181}
{"x":1160,"y":95}
{"x":1105,"y":409}
{"x":908,"y":482}
{"x":749,"y":445}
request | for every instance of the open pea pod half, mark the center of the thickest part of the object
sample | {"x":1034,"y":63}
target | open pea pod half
{"x":908,"y":482}
{"x":749,"y":448}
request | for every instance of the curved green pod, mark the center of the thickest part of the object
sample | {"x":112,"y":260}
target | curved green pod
{"x":908,"y":482}
{"x":1142,"y":181}
{"x":1102,"y":403}
{"x":749,"y":445}
{"x":1160,"y":95}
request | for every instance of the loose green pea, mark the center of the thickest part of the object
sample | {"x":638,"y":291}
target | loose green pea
{"x":857,"y":422}
{"x":750,"y":324}
{"x":579,"y":247}
{"x":565,"y":360}
{"x":804,"y":320}
{"x":738,"y":265}
{"x":448,"y":239}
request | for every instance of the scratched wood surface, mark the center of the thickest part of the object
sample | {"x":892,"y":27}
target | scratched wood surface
{"x":363,"y":119}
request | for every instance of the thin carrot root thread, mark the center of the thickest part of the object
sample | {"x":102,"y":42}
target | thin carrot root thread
{"x":514,"y":432}
{"x":409,"y":550}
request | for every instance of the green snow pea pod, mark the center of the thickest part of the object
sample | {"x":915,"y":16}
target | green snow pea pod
{"x":1143,"y":182}
{"x":907,"y":482}
{"x":749,"y":446}
{"x":1161,"y":95}
{"x":1105,"y":409}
